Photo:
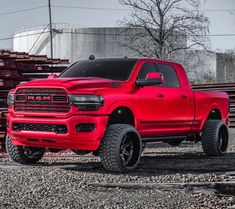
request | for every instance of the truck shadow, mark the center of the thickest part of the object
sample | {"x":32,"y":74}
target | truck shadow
{"x":160,"y":164}
{"x":188,"y":162}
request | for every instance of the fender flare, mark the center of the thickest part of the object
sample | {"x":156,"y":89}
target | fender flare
{"x":118,"y":104}
{"x":212,"y":107}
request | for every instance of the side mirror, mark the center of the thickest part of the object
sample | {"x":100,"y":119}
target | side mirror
{"x":151,"y":79}
{"x":52,"y":76}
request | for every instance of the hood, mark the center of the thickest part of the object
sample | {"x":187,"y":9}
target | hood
{"x":74,"y":83}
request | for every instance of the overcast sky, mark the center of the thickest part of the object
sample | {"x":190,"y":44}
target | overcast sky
{"x":221,"y":22}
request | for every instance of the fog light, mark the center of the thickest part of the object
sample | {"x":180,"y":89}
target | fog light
{"x":85,"y":127}
{"x":61,"y":129}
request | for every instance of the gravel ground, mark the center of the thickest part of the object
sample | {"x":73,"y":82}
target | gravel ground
{"x":68,"y":181}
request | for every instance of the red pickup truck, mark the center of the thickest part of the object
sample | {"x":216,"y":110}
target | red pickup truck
{"x":112,"y":107}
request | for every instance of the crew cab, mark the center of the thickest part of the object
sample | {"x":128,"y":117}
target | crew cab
{"x":113,"y":107}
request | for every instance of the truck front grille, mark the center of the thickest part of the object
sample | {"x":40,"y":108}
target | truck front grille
{"x":41,"y":100}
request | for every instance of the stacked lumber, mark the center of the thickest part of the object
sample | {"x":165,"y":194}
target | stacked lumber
{"x":16,"y":67}
{"x":229,"y":88}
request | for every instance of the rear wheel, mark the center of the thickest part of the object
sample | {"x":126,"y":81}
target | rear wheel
{"x":120,"y":148}
{"x":23,"y":155}
{"x":215,"y":138}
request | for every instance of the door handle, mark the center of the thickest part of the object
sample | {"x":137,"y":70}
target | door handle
{"x":160,"y":95}
{"x":183,"y":96}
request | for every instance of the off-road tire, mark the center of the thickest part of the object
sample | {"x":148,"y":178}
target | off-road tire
{"x":214,"y":138}
{"x":111,"y":148}
{"x":17,"y":153}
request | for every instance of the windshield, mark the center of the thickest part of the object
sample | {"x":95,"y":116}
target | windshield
{"x":114,"y":69}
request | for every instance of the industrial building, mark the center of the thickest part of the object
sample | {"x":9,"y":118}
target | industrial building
{"x":76,"y":43}
{"x":79,"y":43}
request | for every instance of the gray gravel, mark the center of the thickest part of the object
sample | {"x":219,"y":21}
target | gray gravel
{"x":65,"y":181}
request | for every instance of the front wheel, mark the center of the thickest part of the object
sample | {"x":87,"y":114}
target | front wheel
{"x":23,"y":155}
{"x":120,"y":148}
{"x":215,"y":138}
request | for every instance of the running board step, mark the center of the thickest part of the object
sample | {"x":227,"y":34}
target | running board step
{"x":163,"y":138}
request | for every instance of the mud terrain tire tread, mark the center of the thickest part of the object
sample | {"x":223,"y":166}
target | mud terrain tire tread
{"x":109,"y":147}
{"x":17,"y":154}
{"x":210,"y":138}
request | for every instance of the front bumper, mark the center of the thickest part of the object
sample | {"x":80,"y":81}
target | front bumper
{"x":89,"y":140}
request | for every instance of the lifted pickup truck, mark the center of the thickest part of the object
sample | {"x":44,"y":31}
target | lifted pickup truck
{"x":113,"y":107}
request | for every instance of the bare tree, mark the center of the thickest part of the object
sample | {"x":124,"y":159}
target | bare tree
{"x":160,"y":28}
{"x":200,"y":66}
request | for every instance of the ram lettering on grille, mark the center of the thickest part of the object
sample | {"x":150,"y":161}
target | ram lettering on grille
{"x":41,"y":100}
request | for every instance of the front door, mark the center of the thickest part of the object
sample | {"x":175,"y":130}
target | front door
{"x":150,"y":104}
{"x":163,"y":110}
{"x":177,"y":117}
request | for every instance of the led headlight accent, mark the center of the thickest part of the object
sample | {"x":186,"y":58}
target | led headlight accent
{"x":10,"y":99}
{"x":87,"y":102}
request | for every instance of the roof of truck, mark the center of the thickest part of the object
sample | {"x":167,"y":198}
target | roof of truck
{"x":130,"y":59}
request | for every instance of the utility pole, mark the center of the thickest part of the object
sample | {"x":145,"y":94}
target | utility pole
{"x":50,"y":26}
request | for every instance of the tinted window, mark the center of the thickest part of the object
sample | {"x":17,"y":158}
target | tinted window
{"x":114,"y":69}
{"x":170,"y":76}
{"x":146,"y":68}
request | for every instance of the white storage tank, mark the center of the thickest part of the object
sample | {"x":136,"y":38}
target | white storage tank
{"x":75,"y":43}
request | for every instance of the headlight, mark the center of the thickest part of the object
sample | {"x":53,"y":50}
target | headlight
{"x":87,"y":102}
{"x":10,"y":99}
